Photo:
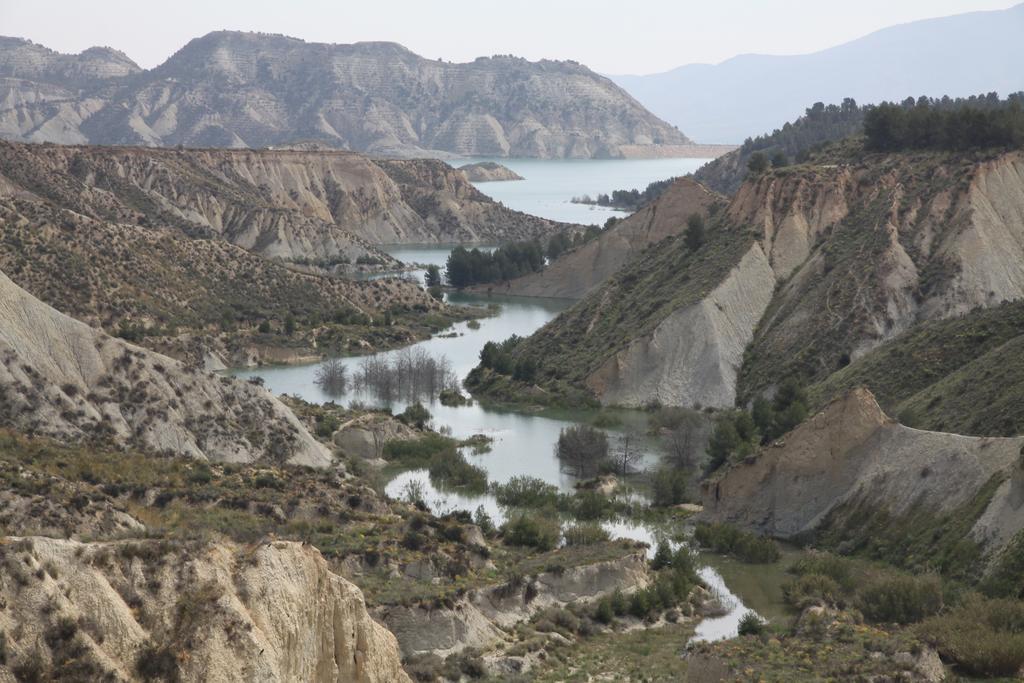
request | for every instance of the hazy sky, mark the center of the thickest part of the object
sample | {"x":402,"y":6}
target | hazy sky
{"x":610,"y":36}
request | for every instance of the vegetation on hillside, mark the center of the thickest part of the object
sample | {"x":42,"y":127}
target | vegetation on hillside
{"x":822,"y":124}
{"x":962,"y":375}
{"x":663,"y":278}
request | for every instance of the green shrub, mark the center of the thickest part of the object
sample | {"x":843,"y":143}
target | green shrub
{"x":619,"y":603}
{"x":743,"y":545}
{"x":533,"y":531}
{"x":811,"y":589}
{"x":415,"y":415}
{"x":590,"y":505}
{"x":662,"y":556}
{"x":525,"y":492}
{"x":639,"y":605}
{"x":604,"y":613}
{"x":834,"y":567}
{"x":585,"y":534}
{"x":455,"y":471}
{"x":901,"y":599}
{"x":983,"y":637}
{"x":668,"y":487}
{"x":751,"y":625}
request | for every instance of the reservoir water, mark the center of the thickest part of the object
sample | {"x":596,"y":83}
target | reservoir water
{"x":523,"y":443}
{"x":550,"y":185}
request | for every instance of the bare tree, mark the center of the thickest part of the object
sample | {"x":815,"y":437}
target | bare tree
{"x":684,"y":442}
{"x":582,"y":449}
{"x":332,"y":377}
{"x":409,"y":375}
{"x":627,"y":452}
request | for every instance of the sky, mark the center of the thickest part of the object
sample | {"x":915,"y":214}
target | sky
{"x":609,"y":36}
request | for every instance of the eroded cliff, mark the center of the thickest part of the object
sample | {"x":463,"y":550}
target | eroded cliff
{"x":851,"y":461}
{"x":192,"y":612}
{"x":810,"y":267}
{"x":61,"y":378}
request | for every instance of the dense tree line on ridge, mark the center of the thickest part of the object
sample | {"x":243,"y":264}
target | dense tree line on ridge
{"x":822,"y":124}
{"x":941,"y":124}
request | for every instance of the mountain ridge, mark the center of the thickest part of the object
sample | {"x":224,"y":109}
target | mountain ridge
{"x":235,"y":89}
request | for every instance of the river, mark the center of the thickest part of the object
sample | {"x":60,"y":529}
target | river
{"x":523,"y":443}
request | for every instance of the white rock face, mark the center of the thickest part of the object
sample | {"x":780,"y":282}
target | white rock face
{"x":694,"y":355}
{"x":61,"y":378}
{"x":218,"y":612}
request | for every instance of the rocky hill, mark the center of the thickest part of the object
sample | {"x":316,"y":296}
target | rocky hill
{"x":855,"y":466}
{"x":231,"y":89}
{"x":129,"y":609}
{"x":576,"y":273}
{"x":63,"y":379}
{"x":809,"y":268}
{"x":299,"y":206}
{"x":195,"y":244}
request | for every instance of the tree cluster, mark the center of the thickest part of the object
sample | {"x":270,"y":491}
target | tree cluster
{"x":498,"y":357}
{"x":468,"y":267}
{"x":628,"y":200}
{"x":582,"y":450}
{"x":738,"y":433}
{"x":957,"y":125}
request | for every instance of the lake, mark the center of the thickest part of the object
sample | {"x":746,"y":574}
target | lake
{"x":550,"y":184}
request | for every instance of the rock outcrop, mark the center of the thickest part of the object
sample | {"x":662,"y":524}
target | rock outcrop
{"x":61,"y":378}
{"x":575,"y":274}
{"x":231,"y":89}
{"x":216,"y":612}
{"x":488,"y":172}
{"x":852,"y":454}
{"x":481,"y":619}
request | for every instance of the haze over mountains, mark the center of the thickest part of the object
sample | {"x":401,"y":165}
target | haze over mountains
{"x":752,"y":94}
{"x":231,"y":89}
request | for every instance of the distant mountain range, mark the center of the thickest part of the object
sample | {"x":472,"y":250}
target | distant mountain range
{"x":230,"y":89}
{"x":748,"y":95}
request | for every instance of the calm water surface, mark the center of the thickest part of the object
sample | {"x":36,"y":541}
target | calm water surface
{"x":549,"y":185}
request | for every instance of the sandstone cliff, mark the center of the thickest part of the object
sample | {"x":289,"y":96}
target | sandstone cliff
{"x":61,"y":378}
{"x":810,"y":267}
{"x":852,"y":456}
{"x":230,"y":89}
{"x":204,"y":612}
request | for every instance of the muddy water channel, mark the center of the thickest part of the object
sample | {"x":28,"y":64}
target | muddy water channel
{"x":523,"y":443}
